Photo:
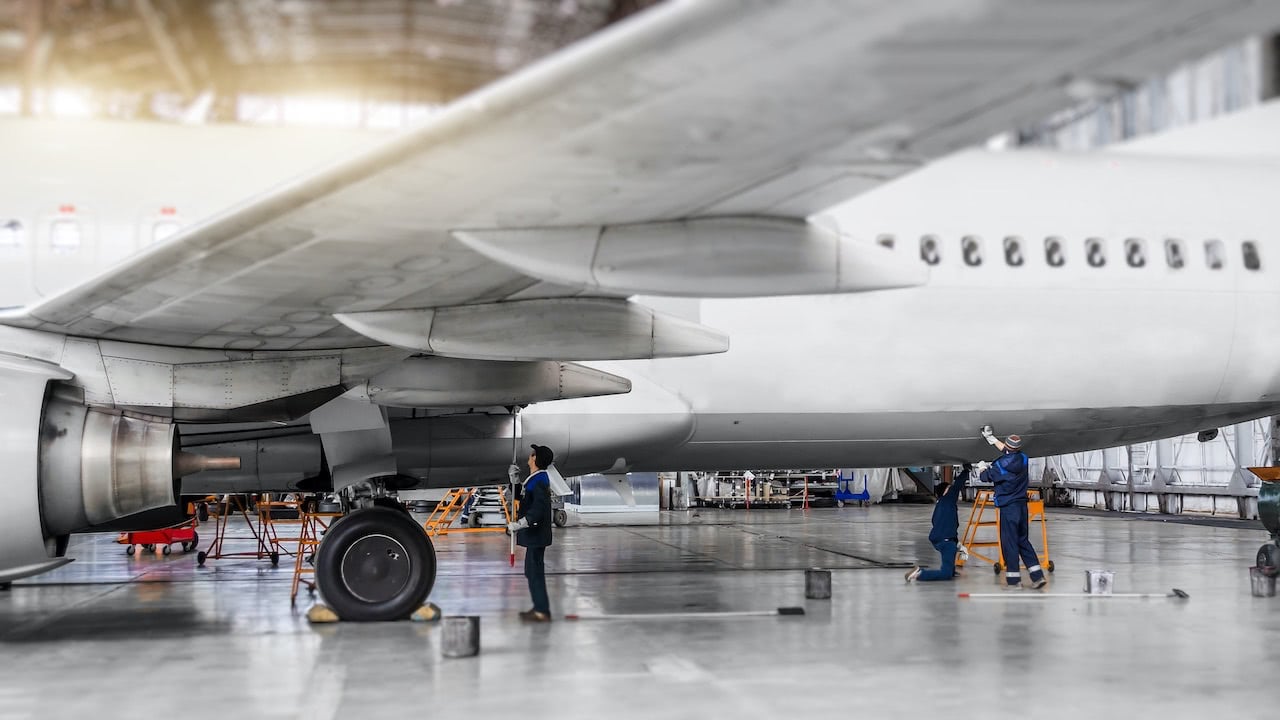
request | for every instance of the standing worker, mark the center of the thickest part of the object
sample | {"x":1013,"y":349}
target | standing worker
{"x":533,"y":531}
{"x":946,"y":527}
{"x":1008,"y":473}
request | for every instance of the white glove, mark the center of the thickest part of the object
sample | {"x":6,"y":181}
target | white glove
{"x":991,"y":440}
{"x":513,"y":473}
{"x":520,"y":524}
{"x":981,"y":467}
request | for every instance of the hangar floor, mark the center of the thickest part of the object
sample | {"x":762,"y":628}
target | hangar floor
{"x":151,"y":637}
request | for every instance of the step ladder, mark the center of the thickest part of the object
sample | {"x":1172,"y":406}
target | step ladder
{"x":313,"y":526}
{"x":447,"y":511}
{"x":985,"y":514}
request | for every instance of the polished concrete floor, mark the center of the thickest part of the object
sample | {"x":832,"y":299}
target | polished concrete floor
{"x":112,"y":636}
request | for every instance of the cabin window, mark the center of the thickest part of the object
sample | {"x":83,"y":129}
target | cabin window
{"x":971,"y":250}
{"x":1095,"y":252}
{"x":1055,"y":251}
{"x":930,"y":249}
{"x":1135,"y":252}
{"x":1215,"y":254}
{"x":885,"y":240}
{"x":162,"y":230}
{"x":11,"y":234}
{"x":1174,"y":254}
{"x":1013,"y":251}
{"x":1252,"y":261}
{"x":64,"y":236}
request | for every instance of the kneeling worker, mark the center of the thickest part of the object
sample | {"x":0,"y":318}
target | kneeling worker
{"x":1008,"y":473}
{"x":946,"y":526}
{"x":533,"y":531}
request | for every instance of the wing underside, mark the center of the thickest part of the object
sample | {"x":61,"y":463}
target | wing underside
{"x":709,"y":109}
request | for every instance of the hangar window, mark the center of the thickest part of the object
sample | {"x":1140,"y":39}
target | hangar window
{"x":1055,"y":251}
{"x":885,"y":240}
{"x":1135,"y":252}
{"x":1095,"y":252}
{"x":162,"y":230}
{"x":1215,"y":255}
{"x":1013,"y":251}
{"x":1174,"y":254}
{"x":64,"y":236}
{"x":1252,"y":261}
{"x":11,"y":234}
{"x":971,"y":249}
{"x":930,"y":250}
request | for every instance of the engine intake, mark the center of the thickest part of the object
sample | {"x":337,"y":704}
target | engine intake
{"x":97,"y":466}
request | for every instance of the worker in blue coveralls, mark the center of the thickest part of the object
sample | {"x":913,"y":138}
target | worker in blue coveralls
{"x":946,"y":526}
{"x":1008,"y":473}
{"x":533,"y":531}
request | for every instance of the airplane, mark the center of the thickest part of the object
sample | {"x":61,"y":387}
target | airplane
{"x":717,"y":235}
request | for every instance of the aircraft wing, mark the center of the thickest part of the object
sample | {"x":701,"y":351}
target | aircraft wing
{"x":657,"y":146}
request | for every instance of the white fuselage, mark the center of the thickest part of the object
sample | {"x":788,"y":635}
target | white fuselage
{"x":1074,"y":355}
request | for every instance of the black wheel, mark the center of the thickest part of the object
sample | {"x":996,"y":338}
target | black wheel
{"x":6,"y":586}
{"x":473,"y":520}
{"x":275,"y":559}
{"x":128,"y":550}
{"x":201,"y":557}
{"x":1050,"y":566}
{"x":202,"y":512}
{"x":1269,"y":559}
{"x":149,"y":547}
{"x":560,"y":517}
{"x":997,"y":568}
{"x":375,"y":564}
{"x":167,"y":549}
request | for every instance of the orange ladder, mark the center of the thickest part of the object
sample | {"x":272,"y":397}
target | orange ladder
{"x":441,"y":519}
{"x":314,"y":524}
{"x":984,"y":501}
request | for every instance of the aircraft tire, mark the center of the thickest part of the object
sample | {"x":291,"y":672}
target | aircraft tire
{"x":374,"y":565}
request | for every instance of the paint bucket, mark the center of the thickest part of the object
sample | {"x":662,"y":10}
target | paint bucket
{"x":461,"y":636}
{"x":1260,"y":583}
{"x":817,"y":584}
{"x":1099,"y":582}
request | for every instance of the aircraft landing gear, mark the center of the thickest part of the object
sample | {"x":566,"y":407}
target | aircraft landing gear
{"x":375,"y":564}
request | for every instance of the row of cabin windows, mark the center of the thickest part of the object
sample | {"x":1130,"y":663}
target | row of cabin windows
{"x":1095,"y":252}
{"x":66,"y":236}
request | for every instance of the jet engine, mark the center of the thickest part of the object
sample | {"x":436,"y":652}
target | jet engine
{"x":70,"y":468}
{"x":98,"y":466}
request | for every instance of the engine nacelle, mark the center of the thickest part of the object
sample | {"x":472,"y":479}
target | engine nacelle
{"x":98,"y":466}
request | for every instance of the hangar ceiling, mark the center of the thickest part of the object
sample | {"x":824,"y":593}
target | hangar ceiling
{"x":127,"y":52}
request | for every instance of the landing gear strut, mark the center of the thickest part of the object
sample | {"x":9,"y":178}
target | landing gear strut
{"x":375,"y":564}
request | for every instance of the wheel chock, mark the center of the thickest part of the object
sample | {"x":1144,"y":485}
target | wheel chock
{"x":322,"y":614}
{"x":427,"y":613}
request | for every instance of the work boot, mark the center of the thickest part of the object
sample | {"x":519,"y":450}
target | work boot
{"x":1040,"y":582}
{"x":535,"y":616}
{"x":913,"y":573}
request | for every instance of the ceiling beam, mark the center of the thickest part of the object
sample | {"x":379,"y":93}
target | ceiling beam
{"x":165,"y":47}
